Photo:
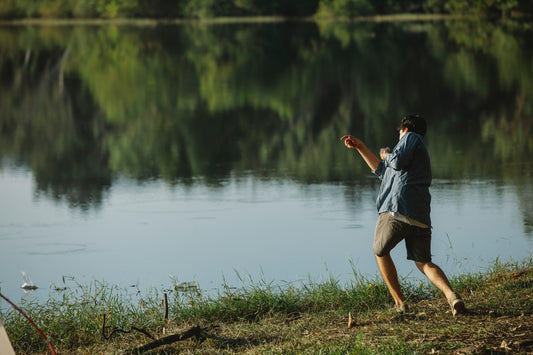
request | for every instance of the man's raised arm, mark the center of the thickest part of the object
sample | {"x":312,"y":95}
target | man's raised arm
{"x":371,"y":160}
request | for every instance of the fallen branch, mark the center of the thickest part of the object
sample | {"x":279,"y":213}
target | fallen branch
{"x":192,"y":332}
{"x":116,"y":330}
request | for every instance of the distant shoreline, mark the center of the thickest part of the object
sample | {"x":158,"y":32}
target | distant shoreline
{"x":232,"y":20}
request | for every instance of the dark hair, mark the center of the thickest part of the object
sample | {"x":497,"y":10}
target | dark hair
{"x":414,"y":123}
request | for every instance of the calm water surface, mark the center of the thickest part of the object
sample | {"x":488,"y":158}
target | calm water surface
{"x":145,"y":156}
{"x":151,"y":234}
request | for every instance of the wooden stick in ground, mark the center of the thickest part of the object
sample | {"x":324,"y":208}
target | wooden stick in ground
{"x":165,"y":303}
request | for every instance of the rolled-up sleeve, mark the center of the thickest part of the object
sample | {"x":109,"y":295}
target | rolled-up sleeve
{"x":380,"y":170}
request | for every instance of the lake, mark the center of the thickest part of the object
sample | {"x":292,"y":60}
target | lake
{"x":143,"y":156}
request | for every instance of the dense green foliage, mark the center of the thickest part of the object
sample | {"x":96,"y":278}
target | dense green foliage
{"x":217,"y":8}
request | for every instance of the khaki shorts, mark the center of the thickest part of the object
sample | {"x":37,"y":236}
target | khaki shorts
{"x":390,"y":232}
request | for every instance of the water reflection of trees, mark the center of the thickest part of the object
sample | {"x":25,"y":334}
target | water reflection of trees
{"x":49,"y":124}
{"x":81,"y":105}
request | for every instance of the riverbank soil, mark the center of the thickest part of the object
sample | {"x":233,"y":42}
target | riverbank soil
{"x":499,"y":320}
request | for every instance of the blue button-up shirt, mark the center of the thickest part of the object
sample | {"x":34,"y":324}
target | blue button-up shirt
{"x":405,"y":176}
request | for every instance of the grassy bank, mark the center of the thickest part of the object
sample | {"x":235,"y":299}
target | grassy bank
{"x":311,"y":318}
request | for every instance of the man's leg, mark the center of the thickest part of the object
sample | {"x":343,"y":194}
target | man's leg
{"x":436,"y":276}
{"x":390,"y":276}
{"x":439,"y":279}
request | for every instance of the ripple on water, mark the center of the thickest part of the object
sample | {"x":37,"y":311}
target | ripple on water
{"x":58,"y":248}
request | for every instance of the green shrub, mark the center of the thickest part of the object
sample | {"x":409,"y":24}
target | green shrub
{"x":350,"y":8}
{"x":8,"y":9}
{"x":209,"y":8}
{"x":54,"y":9}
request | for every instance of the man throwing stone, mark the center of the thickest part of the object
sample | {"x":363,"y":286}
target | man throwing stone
{"x":404,"y":208}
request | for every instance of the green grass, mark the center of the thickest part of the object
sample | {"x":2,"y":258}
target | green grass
{"x":264,"y":317}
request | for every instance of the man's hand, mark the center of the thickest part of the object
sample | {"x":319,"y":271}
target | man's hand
{"x":352,"y":142}
{"x":383,"y":152}
{"x":371,"y":160}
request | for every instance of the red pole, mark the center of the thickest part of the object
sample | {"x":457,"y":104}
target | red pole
{"x":32,"y":323}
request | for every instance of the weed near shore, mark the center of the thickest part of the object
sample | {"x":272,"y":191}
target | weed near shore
{"x":310,"y":318}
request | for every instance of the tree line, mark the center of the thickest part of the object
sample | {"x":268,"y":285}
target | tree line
{"x":194,"y":9}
